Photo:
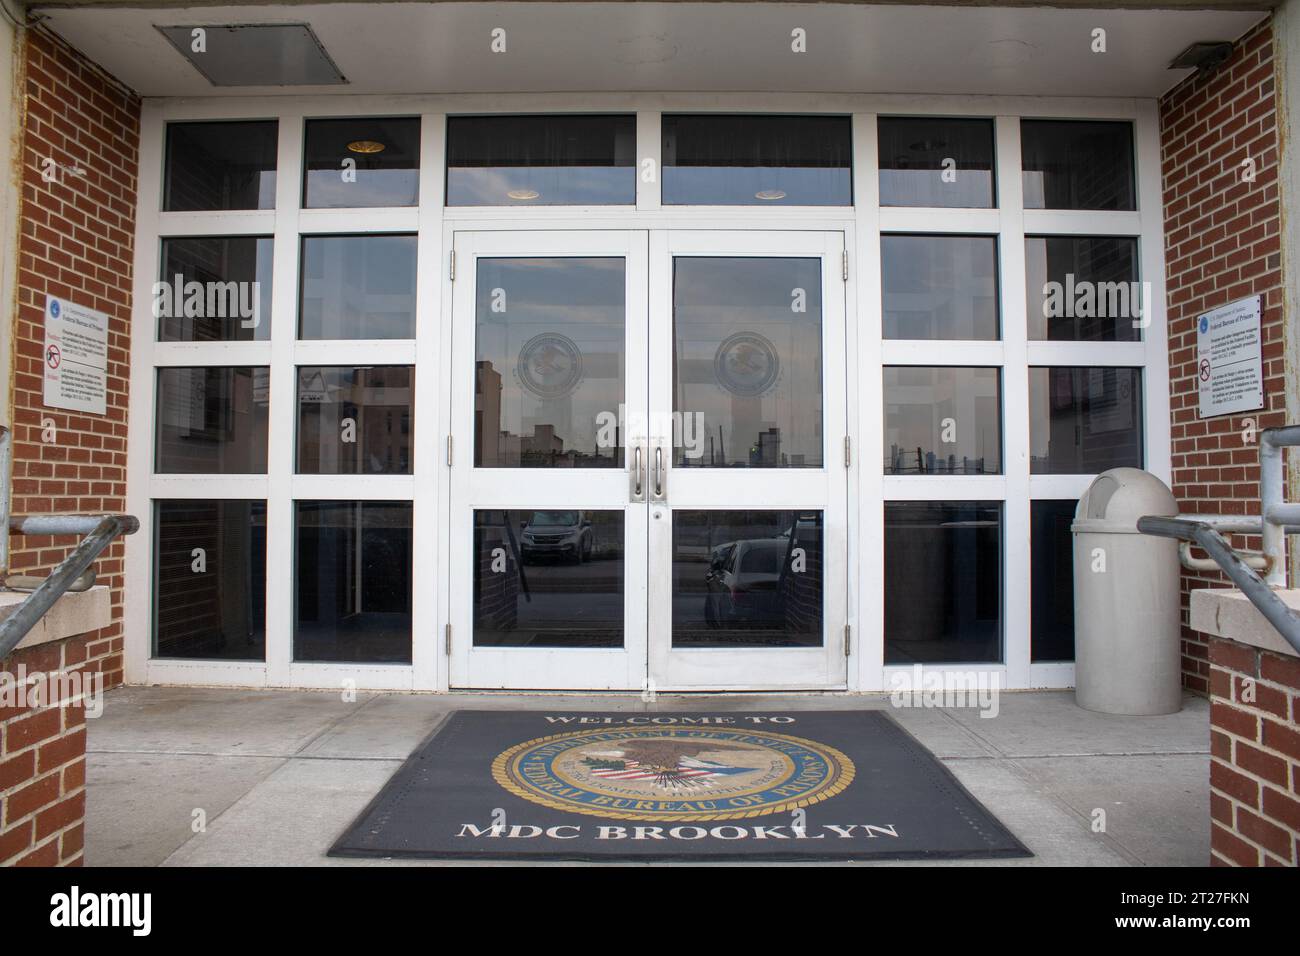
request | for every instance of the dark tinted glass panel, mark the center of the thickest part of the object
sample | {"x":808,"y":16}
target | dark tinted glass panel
{"x":1083,"y":421}
{"x":214,"y":289}
{"x":355,"y":421}
{"x":940,"y":287}
{"x":353,"y":570}
{"x":548,"y":578}
{"x":373,"y":161}
{"x":935,"y":161}
{"x":1083,"y":288}
{"x":1077,"y":165}
{"x":357,"y":287}
{"x":550,"y":363}
{"x":541,"y":160}
{"x":1051,"y":565}
{"x":747,"y":578}
{"x":747,"y":362}
{"x":942,"y":421}
{"x":717,"y":160}
{"x":220,"y":166}
{"x":211,"y":421}
{"x":943,"y":582}
{"x":210,"y":580}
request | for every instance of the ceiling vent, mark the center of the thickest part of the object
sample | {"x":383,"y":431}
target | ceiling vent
{"x":255,"y":54}
{"x":1202,"y":56}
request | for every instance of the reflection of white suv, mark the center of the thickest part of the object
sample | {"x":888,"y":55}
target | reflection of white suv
{"x":742,"y":582}
{"x":557,"y":534}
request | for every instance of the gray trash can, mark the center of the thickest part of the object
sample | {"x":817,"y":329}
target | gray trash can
{"x":1126,"y":616}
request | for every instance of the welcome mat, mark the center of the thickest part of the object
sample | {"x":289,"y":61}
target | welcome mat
{"x":823,"y":785}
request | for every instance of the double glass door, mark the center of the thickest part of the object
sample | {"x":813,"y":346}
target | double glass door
{"x":648,"y":487}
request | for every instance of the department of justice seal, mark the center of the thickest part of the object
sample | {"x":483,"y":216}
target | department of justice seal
{"x":680,"y":774}
{"x":746,"y":364}
{"x":549,"y":365}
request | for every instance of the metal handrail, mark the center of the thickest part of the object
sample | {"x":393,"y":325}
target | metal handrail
{"x":1277,"y":518}
{"x":100,"y":530}
{"x":1274,"y":609}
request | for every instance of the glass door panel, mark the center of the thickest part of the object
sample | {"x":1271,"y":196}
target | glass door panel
{"x":747,"y":530}
{"x":548,"y":532}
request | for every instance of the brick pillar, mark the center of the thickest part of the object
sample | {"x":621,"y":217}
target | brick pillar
{"x":43,"y":753}
{"x":1254,"y":755}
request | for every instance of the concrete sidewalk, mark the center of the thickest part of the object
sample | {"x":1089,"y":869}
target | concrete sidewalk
{"x":275,"y":776}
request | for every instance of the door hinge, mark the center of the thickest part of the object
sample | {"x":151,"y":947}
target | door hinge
{"x":844,"y":262}
{"x":848,"y":451}
{"x":848,"y":638}
{"x":448,"y":451}
{"x":452,"y":266}
{"x":448,"y":632}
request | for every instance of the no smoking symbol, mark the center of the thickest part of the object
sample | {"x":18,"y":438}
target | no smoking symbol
{"x":53,"y":356}
{"x":1205,"y":370}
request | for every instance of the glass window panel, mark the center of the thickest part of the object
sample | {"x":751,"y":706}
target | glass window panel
{"x":747,"y":579}
{"x":943,"y":582}
{"x":548,"y":578}
{"x":383,"y":167}
{"x":355,"y":421}
{"x":215,"y":289}
{"x":718,"y":160}
{"x":1083,"y":421}
{"x":940,"y":287}
{"x":1051,"y":563}
{"x":211,"y":420}
{"x":357,"y":287}
{"x":1083,"y":288}
{"x":935,"y":161}
{"x":942,"y":421}
{"x":747,"y":362}
{"x":220,"y":166}
{"x":1073,"y":164}
{"x":210,"y":580}
{"x":550,"y":363}
{"x":353,"y":582}
{"x":541,"y":160}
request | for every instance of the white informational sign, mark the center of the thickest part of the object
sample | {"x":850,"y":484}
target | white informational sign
{"x":1229,"y":359}
{"x":76,"y":357}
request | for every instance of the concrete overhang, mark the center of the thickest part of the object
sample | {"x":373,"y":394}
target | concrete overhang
{"x":444,"y":47}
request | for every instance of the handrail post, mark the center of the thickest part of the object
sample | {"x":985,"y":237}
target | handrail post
{"x":1272,"y":441}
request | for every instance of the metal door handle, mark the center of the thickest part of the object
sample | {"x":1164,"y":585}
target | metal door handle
{"x":636,"y":472}
{"x":659,"y":471}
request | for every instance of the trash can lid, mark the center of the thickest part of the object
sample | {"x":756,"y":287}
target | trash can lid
{"x":1117,"y":498}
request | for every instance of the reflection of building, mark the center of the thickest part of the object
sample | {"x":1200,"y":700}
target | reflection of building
{"x":376,"y":401}
{"x":496,"y":447}
{"x":487,"y":416}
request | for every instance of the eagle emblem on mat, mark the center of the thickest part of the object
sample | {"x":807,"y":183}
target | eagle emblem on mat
{"x":671,"y":763}
{"x":678,"y":773}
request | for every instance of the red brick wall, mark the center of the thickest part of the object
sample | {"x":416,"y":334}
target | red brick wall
{"x":1222,"y":243}
{"x":43,"y":762}
{"x":1254,"y":756}
{"x":76,"y":241}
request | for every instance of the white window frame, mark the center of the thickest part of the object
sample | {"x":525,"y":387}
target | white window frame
{"x":434,"y":225}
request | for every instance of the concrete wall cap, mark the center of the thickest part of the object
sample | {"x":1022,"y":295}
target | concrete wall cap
{"x":77,"y":612}
{"x":1227,"y":613}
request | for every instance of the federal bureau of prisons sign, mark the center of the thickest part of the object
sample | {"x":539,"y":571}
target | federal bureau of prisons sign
{"x":673,"y":774}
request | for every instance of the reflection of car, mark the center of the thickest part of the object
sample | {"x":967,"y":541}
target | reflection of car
{"x":557,"y":534}
{"x":742,"y":582}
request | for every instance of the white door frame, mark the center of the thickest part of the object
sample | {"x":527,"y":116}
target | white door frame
{"x":587,"y":489}
{"x":824,"y":489}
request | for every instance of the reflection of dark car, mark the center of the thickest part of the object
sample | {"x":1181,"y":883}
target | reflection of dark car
{"x":742,"y":582}
{"x":557,"y":534}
